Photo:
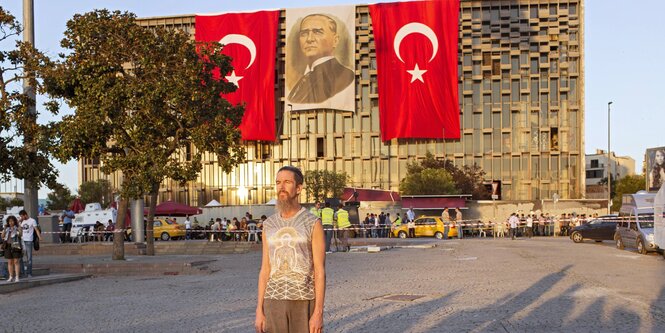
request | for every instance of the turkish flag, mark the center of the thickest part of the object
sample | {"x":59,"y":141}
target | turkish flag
{"x":416,"y":51}
{"x":250,"y":40}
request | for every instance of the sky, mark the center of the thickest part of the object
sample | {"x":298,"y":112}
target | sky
{"x":622,"y":57}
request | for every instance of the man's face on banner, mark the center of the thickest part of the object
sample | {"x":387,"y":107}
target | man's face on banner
{"x":317,"y":39}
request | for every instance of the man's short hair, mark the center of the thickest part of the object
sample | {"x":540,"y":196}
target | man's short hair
{"x":297,"y":174}
{"x":22,"y":212}
{"x":331,"y":21}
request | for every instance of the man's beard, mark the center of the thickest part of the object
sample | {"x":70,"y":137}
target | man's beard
{"x":288,"y":204}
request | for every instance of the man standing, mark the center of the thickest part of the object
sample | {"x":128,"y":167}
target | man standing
{"x":343,"y":224}
{"x":513,"y":221}
{"x":327,"y":216}
{"x":324,"y":76}
{"x":29,"y":226}
{"x":445,"y":217}
{"x":67,"y":218}
{"x":188,"y":228}
{"x":529,"y":226}
{"x":460,"y":222}
{"x":291,"y":287}
{"x":410,"y":215}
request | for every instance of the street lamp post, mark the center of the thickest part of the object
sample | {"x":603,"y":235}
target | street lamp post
{"x":609,"y":163}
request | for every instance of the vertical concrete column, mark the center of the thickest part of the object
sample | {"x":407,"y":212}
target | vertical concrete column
{"x":136,"y":208}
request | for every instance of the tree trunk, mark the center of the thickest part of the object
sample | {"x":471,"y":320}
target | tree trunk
{"x":119,"y":232}
{"x":149,"y":232}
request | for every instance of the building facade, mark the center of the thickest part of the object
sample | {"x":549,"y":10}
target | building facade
{"x":596,"y":170}
{"x":521,"y":91}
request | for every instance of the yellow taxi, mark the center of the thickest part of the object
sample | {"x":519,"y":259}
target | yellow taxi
{"x":166,"y":229}
{"x":426,"y":226}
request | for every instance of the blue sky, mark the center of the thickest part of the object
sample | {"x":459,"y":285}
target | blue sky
{"x":623,"y":62}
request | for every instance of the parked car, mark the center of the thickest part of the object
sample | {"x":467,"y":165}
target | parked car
{"x":635,"y":226}
{"x":166,"y":229}
{"x":636,"y":234}
{"x":600,"y":229}
{"x":426,"y":226}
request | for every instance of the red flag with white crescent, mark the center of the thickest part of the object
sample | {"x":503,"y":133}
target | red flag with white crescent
{"x":416,"y":51}
{"x":250,"y":40}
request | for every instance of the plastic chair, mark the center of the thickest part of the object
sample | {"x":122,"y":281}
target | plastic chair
{"x":252,"y":231}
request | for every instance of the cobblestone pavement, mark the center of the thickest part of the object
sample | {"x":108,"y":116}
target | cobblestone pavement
{"x":469,"y":285}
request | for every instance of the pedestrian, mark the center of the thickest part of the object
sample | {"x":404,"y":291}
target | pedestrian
{"x":343,"y":224}
{"x":316,"y":210}
{"x":410,"y":214}
{"x":513,"y":221}
{"x":67,"y":219}
{"x":557,"y":226}
{"x":11,"y":242}
{"x":382,"y":225}
{"x":30,"y":229}
{"x":327,"y":217}
{"x":412,"y":228}
{"x":375,"y":226}
{"x":445,"y":217}
{"x":292,"y":280}
{"x":529,"y":226}
{"x":188,"y":228}
{"x":460,"y":222}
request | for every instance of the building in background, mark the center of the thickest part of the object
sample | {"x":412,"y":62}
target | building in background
{"x":596,"y":170}
{"x":521,"y":96}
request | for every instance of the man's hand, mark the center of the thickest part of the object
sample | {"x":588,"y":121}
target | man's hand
{"x":316,"y":323}
{"x":260,"y":323}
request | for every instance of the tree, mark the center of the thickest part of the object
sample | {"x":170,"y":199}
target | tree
{"x":428,"y":181}
{"x":59,"y":198}
{"x":467,"y":180}
{"x":322,"y":184}
{"x":626,"y":185}
{"x":96,"y":191}
{"x":613,"y":187}
{"x":148,"y":103}
{"x":24,"y":145}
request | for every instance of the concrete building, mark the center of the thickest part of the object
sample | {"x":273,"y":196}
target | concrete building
{"x":596,"y":170}
{"x":521,"y":91}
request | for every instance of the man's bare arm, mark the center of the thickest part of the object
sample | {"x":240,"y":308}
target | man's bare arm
{"x":319,"y":258}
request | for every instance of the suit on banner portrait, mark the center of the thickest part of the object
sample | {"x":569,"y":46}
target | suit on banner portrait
{"x":250,"y":40}
{"x":320,"y":58}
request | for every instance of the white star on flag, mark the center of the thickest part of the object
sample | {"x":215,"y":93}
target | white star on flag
{"x":234,"y":79}
{"x":417,"y":74}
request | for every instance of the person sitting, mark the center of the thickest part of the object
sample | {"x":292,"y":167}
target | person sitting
{"x":98,"y":234}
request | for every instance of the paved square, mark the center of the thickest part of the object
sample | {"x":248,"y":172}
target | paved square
{"x":469,"y":285}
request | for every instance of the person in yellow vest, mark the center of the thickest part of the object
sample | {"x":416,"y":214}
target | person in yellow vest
{"x":316,"y":210}
{"x":343,"y":224}
{"x":327,"y":215}
{"x":396,"y":224}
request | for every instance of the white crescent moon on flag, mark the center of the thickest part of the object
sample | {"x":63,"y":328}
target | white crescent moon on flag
{"x":412,"y":28}
{"x":242,"y":40}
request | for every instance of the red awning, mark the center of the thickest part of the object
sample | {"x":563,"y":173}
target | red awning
{"x":433,"y":202}
{"x":367,"y":194}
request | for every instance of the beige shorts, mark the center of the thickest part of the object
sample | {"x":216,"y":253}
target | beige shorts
{"x":284,"y":316}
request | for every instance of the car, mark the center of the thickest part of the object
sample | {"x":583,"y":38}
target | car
{"x":636,"y":233}
{"x":600,"y":229}
{"x":166,"y":229}
{"x":426,"y":226}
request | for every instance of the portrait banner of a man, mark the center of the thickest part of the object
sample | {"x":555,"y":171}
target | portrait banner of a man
{"x":320,"y":58}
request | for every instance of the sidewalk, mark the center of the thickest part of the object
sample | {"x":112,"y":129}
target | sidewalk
{"x":99,"y":265}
